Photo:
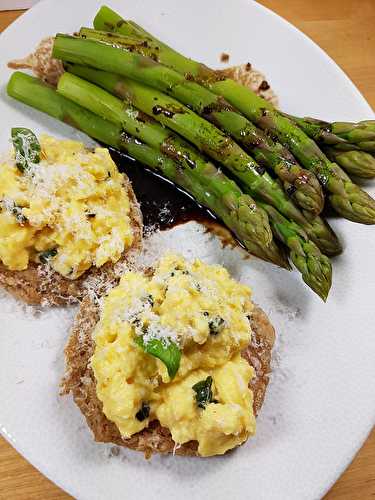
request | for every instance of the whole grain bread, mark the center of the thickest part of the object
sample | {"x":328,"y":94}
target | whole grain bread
{"x":80,"y":381}
{"x":39,"y":284}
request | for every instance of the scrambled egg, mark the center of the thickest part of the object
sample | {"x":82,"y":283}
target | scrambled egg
{"x":202,"y":310}
{"x":71,"y":210}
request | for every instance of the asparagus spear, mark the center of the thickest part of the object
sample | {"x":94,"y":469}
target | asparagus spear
{"x":345,"y":146}
{"x":300,"y":184}
{"x":347,"y":198}
{"x":358,"y":163}
{"x":35,"y":93}
{"x":173,"y":114}
{"x":210,"y":187}
{"x":315,"y":267}
{"x":367,"y":146}
{"x":107,"y":19}
{"x":362,"y":134}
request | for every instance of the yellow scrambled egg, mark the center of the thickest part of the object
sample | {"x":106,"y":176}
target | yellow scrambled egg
{"x":71,"y":210}
{"x":203,"y":311}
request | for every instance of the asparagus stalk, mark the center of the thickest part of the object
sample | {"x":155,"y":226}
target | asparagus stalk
{"x":362,"y":134}
{"x":107,"y":19}
{"x":210,"y":187}
{"x":346,"y":198}
{"x":35,"y":93}
{"x":346,"y":146}
{"x":171,"y":113}
{"x":358,"y":163}
{"x":315,"y":267}
{"x":300,"y":184}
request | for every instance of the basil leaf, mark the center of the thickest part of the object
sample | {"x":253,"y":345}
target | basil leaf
{"x":216,"y":325}
{"x":143,"y":413}
{"x":203,"y":392}
{"x":26,"y":147}
{"x":48,"y":254}
{"x":17,"y":212}
{"x":169,"y":354}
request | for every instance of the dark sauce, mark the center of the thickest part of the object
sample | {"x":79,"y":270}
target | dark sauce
{"x":163,"y":203}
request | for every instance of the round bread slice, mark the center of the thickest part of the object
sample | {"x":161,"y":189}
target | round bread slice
{"x":80,"y":381}
{"x":39,"y":284}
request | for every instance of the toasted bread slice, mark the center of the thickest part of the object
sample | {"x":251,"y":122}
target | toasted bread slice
{"x":39,"y":284}
{"x":80,"y":381}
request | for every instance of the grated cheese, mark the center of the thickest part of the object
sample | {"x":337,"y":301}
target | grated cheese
{"x":74,"y":201}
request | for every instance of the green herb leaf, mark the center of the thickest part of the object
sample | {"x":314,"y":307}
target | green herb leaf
{"x":17,"y":212}
{"x":216,"y":325}
{"x":26,"y":147}
{"x":143,"y":413}
{"x":150,"y":299}
{"x":44,"y":257}
{"x":169,"y":353}
{"x":203,"y":392}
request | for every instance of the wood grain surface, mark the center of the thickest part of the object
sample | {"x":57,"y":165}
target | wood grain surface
{"x":345,"y":29}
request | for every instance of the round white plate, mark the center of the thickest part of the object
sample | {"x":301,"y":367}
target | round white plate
{"x":320,"y":405}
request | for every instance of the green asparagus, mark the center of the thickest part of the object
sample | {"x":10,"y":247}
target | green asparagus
{"x":35,"y":93}
{"x":143,"y":97}
{"x":357,"y":163}
{"x":299,"y":183}
{"x":210,"y":187}
{"x":362,"y":134}
{"x":315,"y":267}
{"x":345,"y":197}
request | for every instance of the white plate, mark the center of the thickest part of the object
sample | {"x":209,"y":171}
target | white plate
{"x":320,"y":405}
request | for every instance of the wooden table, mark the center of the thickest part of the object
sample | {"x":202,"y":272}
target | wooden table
{"x":346,"y":30}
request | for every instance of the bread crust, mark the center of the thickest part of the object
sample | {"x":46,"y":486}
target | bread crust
{"x":39,"y":284}
{"x":80,"y":381}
